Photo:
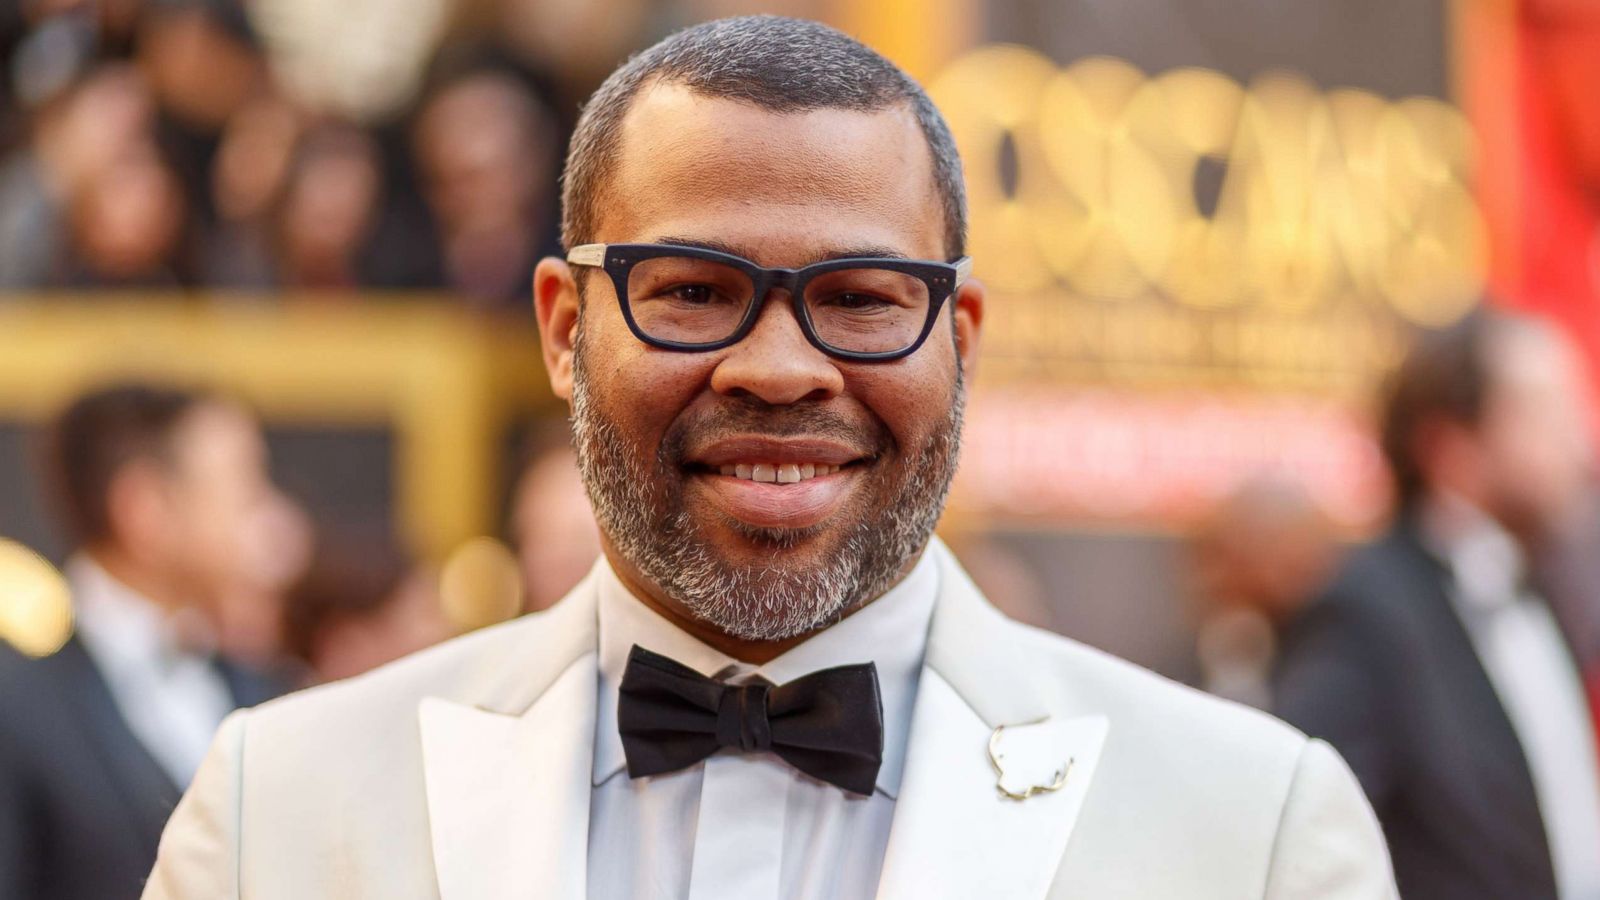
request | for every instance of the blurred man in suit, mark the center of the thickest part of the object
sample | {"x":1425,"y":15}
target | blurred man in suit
{"x":1433,"y":664}
{"x":98,"y":740}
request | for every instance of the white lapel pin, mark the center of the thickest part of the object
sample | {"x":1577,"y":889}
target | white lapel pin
{"x":996,"y":758}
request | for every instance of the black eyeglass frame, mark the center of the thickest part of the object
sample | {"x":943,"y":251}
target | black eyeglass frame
{"x":942,"y":280}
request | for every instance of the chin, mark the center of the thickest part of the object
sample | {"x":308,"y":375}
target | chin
{"x":778,"y":539}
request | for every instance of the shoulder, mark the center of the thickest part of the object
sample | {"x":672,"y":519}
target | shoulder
{"x":316,"y":755}
{"x":1373,"y":574}
{"x":1174,"y":759}
{"x":41,"y":703}
{"x":13,"y":665}
{"x":1154,"y":713}
{"x":1006,"y":670}
{"x":1386,"y":593}
{"x":503,"y":668}
{"x":476,"y":668}
{"x":19,"y":681}
{"x":28,"y":682}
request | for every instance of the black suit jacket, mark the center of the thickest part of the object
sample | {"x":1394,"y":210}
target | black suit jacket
{"x":1382,"y":668}
{"x":82,"y":803}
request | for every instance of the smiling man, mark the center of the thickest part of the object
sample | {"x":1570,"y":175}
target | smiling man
{"x":775,"y":683}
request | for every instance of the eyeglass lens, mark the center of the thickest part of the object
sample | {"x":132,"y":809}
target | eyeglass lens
{"x":698,"y":301}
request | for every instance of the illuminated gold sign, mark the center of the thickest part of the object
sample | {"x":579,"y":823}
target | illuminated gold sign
{"x":1186,"y":228}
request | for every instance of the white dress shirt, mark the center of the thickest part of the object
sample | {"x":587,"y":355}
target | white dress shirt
{"x":750,"y":826}
{"x":1528,"y":663}
{"x":171,"y":696}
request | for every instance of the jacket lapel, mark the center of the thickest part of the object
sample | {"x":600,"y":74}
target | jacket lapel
{"x":147,"y":790}
{"x":508,"y":781}
{"x":1490,"y":772}
{"x":954,"y":834}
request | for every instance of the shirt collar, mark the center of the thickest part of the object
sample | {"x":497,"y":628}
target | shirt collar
{"x":120,"y":627}
{"x":1484,"y":560}
{"x":891,"y":632}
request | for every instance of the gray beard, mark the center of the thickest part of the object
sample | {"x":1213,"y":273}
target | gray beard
{"x":642,"y":512}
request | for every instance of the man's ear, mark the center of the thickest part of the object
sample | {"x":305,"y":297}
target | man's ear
{"x":1450,"y":457}
{"x":136,"y":510}
{"x":968,"y":322}
{"x":555,"y":304}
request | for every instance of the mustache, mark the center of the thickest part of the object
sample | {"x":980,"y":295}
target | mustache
{"x":748,"y":416}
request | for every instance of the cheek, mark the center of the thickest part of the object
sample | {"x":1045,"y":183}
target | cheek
{"x":639,"y":389}
{"x":911,"y":401}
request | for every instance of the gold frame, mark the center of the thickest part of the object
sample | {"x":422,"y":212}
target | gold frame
{"x":450,"y":383}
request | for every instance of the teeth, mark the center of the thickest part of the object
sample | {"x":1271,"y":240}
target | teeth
{"x":777,"y":473}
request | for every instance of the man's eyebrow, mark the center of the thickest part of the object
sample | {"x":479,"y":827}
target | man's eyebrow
{"x":715,"y":246}
{"x":867,"y":251}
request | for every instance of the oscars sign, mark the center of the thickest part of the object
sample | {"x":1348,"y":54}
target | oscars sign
{"x":1146,"y":237}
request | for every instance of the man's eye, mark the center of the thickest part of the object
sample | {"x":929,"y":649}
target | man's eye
{"x":695,"y":294}
{"x":858,"y":302}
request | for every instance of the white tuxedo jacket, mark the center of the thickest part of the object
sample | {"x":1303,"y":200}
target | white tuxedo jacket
{"x":463,"y":773}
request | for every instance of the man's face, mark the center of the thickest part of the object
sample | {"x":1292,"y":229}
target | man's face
{"x":1535,"y":433}
{"x":220,"y":496}
{"x":655,"y":428}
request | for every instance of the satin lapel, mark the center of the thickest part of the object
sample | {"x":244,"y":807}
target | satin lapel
{"x":954,"y":835}
{"x":147,"y":789}
{"x":508,"y":796}
{"x":506,"y":761}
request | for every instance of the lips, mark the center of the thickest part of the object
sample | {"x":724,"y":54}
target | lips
{"x":777,"y":483}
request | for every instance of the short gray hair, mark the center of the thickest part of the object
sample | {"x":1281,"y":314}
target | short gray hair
{"x":774,"y":63}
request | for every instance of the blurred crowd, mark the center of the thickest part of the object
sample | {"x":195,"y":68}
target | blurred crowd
{"x":284,"y":146}
{"x":287,"y":146}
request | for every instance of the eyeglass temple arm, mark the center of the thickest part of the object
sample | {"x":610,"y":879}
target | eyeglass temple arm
{"x":587,"y":255}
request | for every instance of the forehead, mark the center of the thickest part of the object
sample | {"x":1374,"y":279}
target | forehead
{"x":216,"y":430}
{"x":779,"y":185}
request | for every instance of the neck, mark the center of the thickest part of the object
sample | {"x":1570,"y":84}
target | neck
{"x":1449,"y":514}
{"x":136,"y":578}
{"x":755,"y":653}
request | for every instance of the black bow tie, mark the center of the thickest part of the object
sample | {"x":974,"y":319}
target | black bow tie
{"x":828,"y":724}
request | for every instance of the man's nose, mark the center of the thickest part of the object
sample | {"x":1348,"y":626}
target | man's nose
{"x":775,"y":363}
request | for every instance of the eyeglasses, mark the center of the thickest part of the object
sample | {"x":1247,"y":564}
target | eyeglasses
{"x":689,"y":299}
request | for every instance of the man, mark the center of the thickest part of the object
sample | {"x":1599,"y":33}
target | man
{"x":1255,"y":560}
{"x":774,"y":683}
{"x":1431,"y":663}
{"x":98,"y":739}
{"x":486,"y":148}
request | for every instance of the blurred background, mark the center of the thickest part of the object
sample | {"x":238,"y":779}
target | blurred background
{"x":1212,"y":229}
{"x":1209,"y":228}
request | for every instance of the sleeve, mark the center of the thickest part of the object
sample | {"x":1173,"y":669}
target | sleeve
{"x":199,"y":854}
{"x":1329,"y":684}
{"x":1329,"y":845}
